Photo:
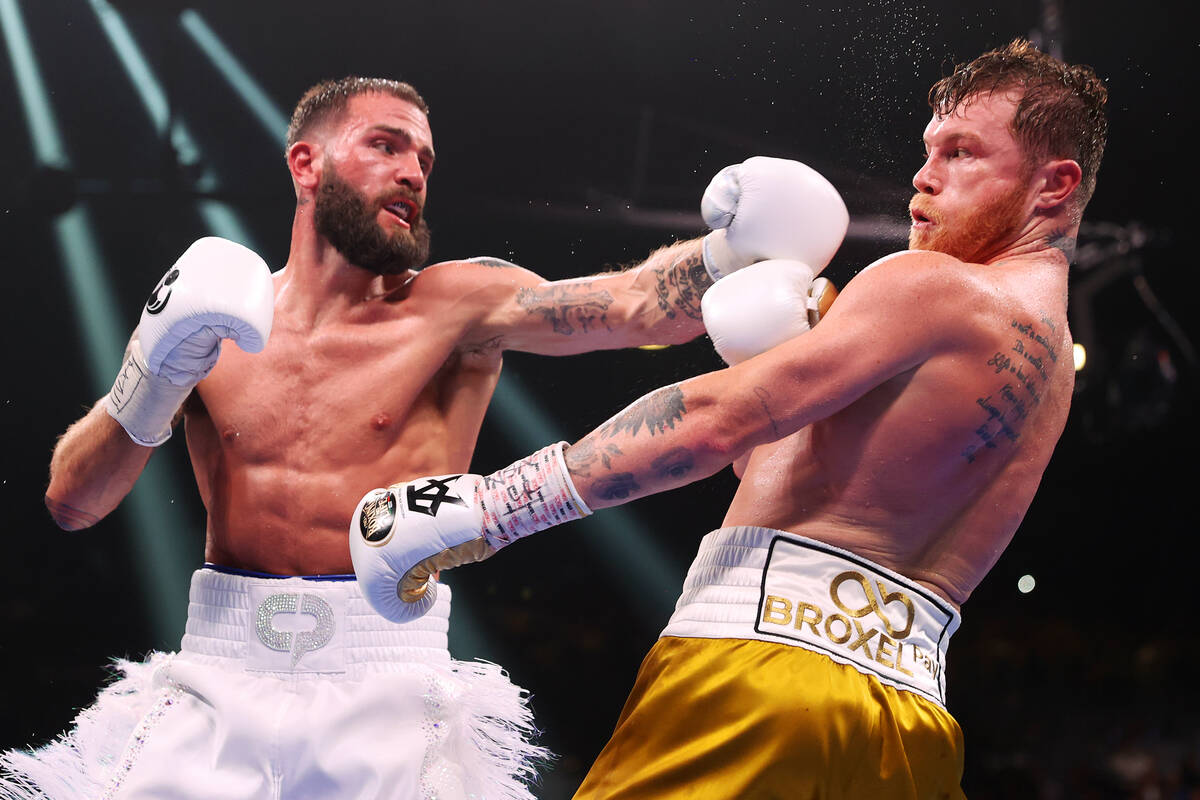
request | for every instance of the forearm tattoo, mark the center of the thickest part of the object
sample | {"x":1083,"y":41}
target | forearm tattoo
{"x":680,"y":286}
{"x":583,"y":455}
{"x":569,"y":309}
{"x":763,"y":396}
{"x":1025,"y":369}
{"x":598,"y":461}
{"x":657,"y":411}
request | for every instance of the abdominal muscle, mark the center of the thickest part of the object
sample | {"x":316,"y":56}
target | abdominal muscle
{"x":281,"y":467}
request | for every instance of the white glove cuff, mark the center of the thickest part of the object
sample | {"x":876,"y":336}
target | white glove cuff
{"x":531,"y":495}
{"x":143,"y":402}
{"x":719,"y":258}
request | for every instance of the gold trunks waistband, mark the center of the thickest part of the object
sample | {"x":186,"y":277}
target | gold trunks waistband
{"x":774,"y":586}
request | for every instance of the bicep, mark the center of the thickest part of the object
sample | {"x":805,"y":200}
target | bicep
{"x":551,"y":317}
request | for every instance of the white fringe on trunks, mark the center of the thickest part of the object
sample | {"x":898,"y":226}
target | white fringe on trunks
{"x":292,"y":688}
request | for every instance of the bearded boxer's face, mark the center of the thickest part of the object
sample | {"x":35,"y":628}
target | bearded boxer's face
{"x":371,"y":198}
{"x":350,"y":221}
{"x":974,"y":192}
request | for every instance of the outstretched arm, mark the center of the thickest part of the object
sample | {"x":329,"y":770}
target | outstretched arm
{"x":671,"y":437}
{"x":654,"y":302}
{"x":763,"y":208}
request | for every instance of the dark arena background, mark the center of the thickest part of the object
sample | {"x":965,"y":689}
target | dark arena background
{"x":574,"y":137}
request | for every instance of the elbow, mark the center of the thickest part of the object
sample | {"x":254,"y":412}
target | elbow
{"x":67,"y":511}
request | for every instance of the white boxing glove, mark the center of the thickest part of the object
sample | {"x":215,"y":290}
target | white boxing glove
{"x":763,"y":305}
{"x":216,"y":290}
{"x":400,"y":536}
{"x":768,"y":208}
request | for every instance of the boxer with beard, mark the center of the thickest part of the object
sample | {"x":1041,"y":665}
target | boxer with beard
{"x":887,"y":458}
{"x":349,"y":361}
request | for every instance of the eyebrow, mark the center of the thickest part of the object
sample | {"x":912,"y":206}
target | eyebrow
{"x":957,"y":138}
{"x":407,"y":137}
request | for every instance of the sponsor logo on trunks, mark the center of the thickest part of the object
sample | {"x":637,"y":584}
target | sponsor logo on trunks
{"x":156,"y":303}
{"x":295,"y":642}
{"x":428,"y":496}
{"x":863,"y":620}
{"x":378,"y":517}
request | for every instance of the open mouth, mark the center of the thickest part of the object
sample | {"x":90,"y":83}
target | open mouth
{"x":404,"y":210}
{"x":920,"y":218}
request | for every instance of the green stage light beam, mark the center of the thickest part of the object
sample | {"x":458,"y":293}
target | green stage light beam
{"x":273,"y":121}
{"x":165,"y":587}
{"x":218,"y":217}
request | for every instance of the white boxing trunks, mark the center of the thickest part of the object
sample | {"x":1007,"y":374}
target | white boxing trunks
{"x":292,"y":688}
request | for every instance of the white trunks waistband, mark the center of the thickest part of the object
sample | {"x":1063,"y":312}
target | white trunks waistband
{"x":774,"y":586}
{"x":299,"y":625}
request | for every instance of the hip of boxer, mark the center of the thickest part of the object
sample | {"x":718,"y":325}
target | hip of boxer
{"x":763,"y":584}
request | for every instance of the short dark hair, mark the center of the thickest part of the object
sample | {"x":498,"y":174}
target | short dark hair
{"x":328,"y":99}
{"x":1060,"y":113}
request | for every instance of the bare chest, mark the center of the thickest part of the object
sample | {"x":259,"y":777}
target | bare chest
{"x":340,"y":396}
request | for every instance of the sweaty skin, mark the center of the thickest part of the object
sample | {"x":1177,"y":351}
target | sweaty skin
{"x":914,"y":423}
{"x":366,"y":374}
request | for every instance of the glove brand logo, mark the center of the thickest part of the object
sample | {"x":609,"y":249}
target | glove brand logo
{"x":433,"y":492}
{"x":156,"y":304}
{"x":295,"y":642}
{"x":875,"y":603}
{"x":377,"y":517}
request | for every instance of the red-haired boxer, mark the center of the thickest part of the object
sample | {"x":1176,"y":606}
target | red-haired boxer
{"x":893,"y":451}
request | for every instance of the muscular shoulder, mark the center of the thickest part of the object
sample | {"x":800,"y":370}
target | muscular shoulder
{"x":920,"y":302}
{"x":482,"y":280}
{"x":928,"y":286}
{"x":480,"y":291}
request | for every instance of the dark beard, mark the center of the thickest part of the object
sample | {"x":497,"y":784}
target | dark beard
{"x":346,"y":221}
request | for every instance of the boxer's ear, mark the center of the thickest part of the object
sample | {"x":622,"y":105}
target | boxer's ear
{"x":305,"y":161}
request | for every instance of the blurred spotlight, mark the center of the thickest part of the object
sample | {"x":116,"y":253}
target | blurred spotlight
{"x":51,"y":190}
{"x":150,"y":91}
{"x":1080,"y":356}
{"x":1025,"y":584}
{"x":272,"y":120}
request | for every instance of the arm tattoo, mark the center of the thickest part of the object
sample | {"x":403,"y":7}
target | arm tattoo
{"x":69,"y":517}
{"x":489,"y":261}
{"x":763,"y":396}
{"x":681,"y":285}
{"x":566,"y":307}
{"x":616,"y":487}
{"x":657,"y":411}
{"x":675,"y":463}
{"x":1060,"y":240}
{"x":580,"y":457}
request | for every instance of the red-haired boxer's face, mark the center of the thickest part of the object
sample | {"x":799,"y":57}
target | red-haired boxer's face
{"x":371,"y":199}
{"x":974,"y":191}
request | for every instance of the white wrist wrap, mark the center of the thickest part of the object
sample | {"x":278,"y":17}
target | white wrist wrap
{"x":529,"y":496}
{"x":143,"y":402}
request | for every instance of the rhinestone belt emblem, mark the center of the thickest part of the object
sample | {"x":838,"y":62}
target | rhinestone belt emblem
{"x":300,"y":642}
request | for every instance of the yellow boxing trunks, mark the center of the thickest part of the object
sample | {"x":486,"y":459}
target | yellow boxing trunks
{"x":790,"y":669}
